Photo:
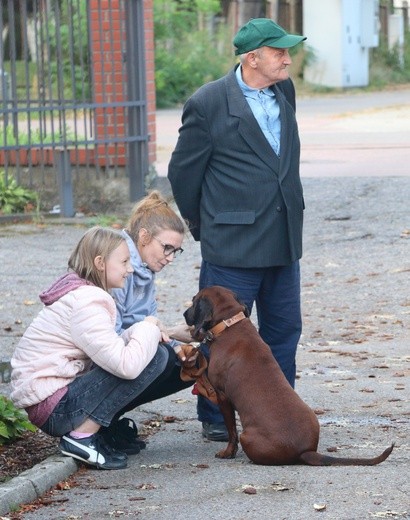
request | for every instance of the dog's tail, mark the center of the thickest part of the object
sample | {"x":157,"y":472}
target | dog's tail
{"x":313,"y":458}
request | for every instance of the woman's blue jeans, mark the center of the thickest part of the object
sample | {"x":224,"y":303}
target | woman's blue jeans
{"x":99,"y":396}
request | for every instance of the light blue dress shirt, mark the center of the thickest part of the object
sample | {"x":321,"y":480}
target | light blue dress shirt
{"x":265,"y":108}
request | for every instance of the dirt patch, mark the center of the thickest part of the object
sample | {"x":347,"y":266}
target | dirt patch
{"x":24,"y":453}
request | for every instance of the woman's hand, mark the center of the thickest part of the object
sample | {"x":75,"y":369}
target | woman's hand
{"x":164,"y":334}
{"x":187,"y":354}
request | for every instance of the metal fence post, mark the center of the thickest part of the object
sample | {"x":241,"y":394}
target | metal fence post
{"x":5,"y":94}
{"x":137,"y":115}
{"x":64,"y":178}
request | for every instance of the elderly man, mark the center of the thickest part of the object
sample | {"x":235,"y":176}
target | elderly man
{"x":235,"y":178}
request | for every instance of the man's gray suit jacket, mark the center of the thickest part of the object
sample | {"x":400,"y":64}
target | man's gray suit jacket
{"x":243,"y":202}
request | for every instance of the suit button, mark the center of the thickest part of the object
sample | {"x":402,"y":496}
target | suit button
{"x":279,"y":208}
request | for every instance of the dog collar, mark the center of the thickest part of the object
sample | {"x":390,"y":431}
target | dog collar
{"x":221,"y":326}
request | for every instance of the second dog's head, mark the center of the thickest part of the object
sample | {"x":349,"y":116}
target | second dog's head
{"x":209,"y":307}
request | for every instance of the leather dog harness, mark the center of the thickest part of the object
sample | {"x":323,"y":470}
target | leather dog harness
{"x":198,"y":372}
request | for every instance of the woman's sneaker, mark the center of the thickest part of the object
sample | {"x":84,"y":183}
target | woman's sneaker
{"x":94,"y":451}
{"x":122,"y":435}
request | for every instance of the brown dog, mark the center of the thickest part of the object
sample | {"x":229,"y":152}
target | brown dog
{"x":278,"y":427}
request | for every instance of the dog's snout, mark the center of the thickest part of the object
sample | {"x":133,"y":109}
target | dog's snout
{"x":188,"y":315}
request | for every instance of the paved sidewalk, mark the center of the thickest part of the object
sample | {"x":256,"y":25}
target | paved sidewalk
{"x":353,"y":361}
{"x":344,"y":135}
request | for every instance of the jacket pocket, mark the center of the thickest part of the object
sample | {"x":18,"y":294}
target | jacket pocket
{"x":235,"y":217}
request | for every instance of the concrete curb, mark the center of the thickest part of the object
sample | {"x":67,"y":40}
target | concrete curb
{"x":34,"y":482}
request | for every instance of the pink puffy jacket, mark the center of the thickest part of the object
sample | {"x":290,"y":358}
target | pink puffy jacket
{"x":67,"y":336}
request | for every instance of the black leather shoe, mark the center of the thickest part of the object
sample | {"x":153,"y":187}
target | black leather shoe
{"x":215,"y":431}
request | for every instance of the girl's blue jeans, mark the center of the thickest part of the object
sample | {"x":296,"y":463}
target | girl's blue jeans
{"x":101,"y":396}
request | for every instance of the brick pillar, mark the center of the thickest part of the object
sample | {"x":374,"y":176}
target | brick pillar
{"x":150,"y":78}
{"x":107,"y":37}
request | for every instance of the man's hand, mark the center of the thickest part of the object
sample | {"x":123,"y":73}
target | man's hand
{"x":180,"y":332}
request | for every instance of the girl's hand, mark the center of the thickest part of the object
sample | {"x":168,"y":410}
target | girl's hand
{"x":164,"y":334}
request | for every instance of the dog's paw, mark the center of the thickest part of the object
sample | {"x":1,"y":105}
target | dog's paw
{"x":227,"y":453}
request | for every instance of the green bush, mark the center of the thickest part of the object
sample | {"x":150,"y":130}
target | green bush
{"x":73,"y":38}
{"x":390,"y":66}
{"x":15,"y":198}
{"x":178,"y":74}
{"x":191,"y":48}
{"x":13,"y":422}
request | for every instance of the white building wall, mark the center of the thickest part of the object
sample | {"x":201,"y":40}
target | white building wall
{"x":339,"y":32}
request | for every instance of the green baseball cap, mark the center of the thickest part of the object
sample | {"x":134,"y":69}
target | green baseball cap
{"x":261,"y":32}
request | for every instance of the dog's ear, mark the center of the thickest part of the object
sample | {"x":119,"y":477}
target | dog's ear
{"x":245,"y":308}
{"x":202,"y":317}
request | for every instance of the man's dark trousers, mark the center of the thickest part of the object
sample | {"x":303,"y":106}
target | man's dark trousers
{"x":276,"y":293}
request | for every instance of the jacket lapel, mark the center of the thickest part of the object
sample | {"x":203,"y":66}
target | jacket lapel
{"x":285,"y":133}
{"x":248,"y":127}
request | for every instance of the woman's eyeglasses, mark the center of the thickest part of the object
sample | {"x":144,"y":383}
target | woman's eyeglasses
{"x":169,"y":249}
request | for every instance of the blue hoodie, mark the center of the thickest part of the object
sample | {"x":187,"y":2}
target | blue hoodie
{"x":137,"y":299}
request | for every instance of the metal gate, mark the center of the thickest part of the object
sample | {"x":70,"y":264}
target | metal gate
{"x":72,"y":93}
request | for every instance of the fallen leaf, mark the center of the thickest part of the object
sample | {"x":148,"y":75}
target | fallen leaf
{"x":389,"y":514}
{"x":146,"y":486}
{"x":277,"y":486}
{"x":63,"y":485}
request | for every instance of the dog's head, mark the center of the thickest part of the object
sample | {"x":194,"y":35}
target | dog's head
{"x":209,"y":307}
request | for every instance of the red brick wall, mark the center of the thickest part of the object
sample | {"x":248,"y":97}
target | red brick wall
{"x":107,"y":42}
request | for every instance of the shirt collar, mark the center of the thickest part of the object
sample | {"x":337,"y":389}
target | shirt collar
{"x":249,"y":91}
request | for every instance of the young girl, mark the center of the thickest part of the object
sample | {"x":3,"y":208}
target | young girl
{"x":71,"y":371}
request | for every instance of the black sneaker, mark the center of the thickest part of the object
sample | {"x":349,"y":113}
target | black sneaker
{"x":94,"y":451}
{"x":122,"y":435}
{"x":214,"y":431}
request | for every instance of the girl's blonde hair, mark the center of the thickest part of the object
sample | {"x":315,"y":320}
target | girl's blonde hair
{"x":154,"y":214}
{"x":97,"y":241}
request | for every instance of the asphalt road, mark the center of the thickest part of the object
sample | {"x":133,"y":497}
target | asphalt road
{"x":353,"y":359}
